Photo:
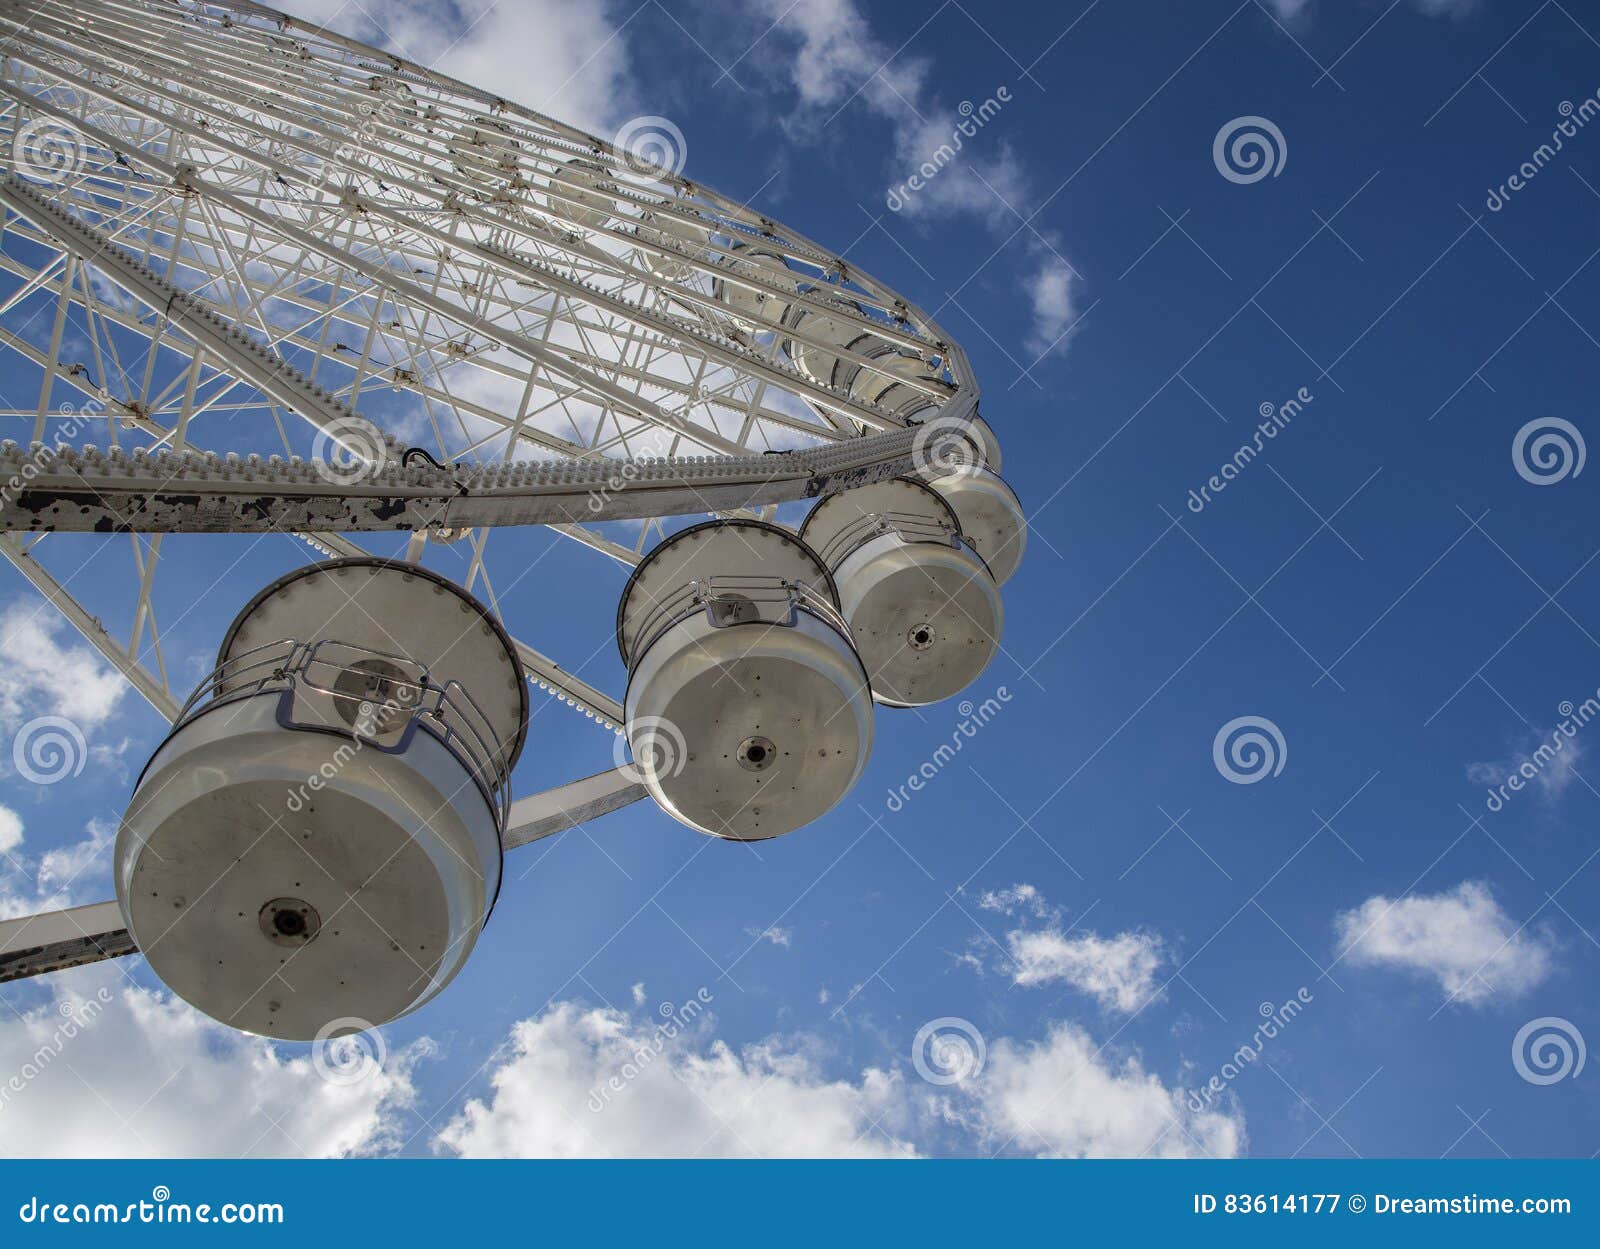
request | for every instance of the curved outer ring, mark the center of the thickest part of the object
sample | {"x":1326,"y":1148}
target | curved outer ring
{"x":415,"y":570}
{"x":943,"y":504}
{"x":731,"y":208}
{"x":788,"y":535}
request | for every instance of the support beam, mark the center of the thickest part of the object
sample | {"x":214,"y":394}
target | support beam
{"x":157,"y":695}
{"x":556,"y":810}
{"x":56,"y":940}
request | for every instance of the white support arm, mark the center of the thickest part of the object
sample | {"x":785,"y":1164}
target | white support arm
{"x":556,"y":810}
{"x":56,"y":940}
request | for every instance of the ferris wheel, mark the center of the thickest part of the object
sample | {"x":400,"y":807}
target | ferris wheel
{"x":268,"y":279}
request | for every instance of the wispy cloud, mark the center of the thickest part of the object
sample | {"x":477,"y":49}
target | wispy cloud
{"x":776,"y":935}
{"x":838,"y":64}
{"x":1119,"y":972}
{"x":1461,"y":937}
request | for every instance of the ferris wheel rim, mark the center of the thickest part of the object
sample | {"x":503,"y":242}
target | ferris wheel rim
{"x":836,"y":450}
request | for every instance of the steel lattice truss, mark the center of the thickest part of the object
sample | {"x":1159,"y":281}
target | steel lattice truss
{"x":229,"y":231}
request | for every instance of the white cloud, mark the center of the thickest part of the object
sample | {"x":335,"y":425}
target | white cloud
{"x":560,"y":57}
{"x":42,"y":675}
{"x":838,"y":62}
{"x":1016,"y":898}
{"x":10,"y":830}
{"x":782,"y":937}
{"x":1062,"y":1097}
{"x":1050,"y":291}
{"x":667,"y":1096}
{"x":1462,"y":938}
{"x":1119,"y":972}
{"x":65,"y":875}
{"x":131,"y":1072}
{"x":1547,"y":765}
{"x":576,"y":1081}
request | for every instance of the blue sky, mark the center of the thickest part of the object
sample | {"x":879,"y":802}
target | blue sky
{"x":1081,"y":886}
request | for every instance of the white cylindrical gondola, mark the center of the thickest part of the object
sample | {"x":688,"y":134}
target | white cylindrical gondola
{"x":964,"y":468}
{"x":319,"y":836}
{"x":577,"y":194}
{"x":923,"y":609}
{"x":819,"y":358}
{"x":748,"y":710}
{"x":897,"y":381}
{"x":670,"y":245}
{"x":757,"y":307}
